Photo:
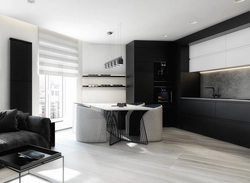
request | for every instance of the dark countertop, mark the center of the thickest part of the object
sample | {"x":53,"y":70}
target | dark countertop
{"x":217,"y":99}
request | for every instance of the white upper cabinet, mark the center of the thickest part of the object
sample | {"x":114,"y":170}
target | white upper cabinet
{"x":238,"y":39}
{"x":207,"y":47}
{"x":207,"y":55}
{"x":208,"y":62}
{"x":231,"y":50}
{"x":238,"y":57}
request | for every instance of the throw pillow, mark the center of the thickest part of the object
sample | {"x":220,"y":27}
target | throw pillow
{"x":8,"y":122}
{"x":21,"y":118}
{"x":2,"y":114}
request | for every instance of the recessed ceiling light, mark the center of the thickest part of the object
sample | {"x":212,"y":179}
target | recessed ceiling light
{"x":31,"y":1}
{"x":165,"y":35}
{"x":193,"y":22}
{"x":238,"y":1}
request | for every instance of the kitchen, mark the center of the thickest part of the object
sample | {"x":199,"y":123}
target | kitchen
{"x":218,"y":103}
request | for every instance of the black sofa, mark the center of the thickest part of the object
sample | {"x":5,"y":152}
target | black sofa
{"x":19,"y":129}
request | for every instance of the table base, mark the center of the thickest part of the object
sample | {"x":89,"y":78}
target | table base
{"x":28,"y":172}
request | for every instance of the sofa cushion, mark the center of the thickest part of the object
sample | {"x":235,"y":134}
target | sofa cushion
{"x":8,"y":122}
{"x":21,"y":118}
{"x":10,"y":140}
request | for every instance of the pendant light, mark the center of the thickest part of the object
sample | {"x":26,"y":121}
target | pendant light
{"x":116,"y":61}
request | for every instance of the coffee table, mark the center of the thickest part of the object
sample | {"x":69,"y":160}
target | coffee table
{"x":11,"y":160}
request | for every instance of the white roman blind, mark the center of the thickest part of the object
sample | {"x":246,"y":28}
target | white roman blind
{"x":58,"y":54}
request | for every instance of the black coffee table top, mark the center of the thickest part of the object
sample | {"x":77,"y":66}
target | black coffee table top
{"x":11,"y":158}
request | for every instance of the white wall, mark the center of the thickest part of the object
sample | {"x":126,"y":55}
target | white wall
{"x":93,"y":59}
{"x":10,"y":27}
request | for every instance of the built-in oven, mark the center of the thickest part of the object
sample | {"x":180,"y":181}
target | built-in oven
{"x":163,"y":95}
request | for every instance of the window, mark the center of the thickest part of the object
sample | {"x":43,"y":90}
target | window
{"x":58,"y":70}
{"x":56,"y":98}
{"x":51,"y":97}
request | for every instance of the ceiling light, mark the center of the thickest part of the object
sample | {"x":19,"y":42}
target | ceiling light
{"x":31,"y":1}
{"x":238,"y":1}
{"x":193,"y":22}
{"x":165,"y":35}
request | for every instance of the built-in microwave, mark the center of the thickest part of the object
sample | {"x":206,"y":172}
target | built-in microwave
{"x":163,"y":71}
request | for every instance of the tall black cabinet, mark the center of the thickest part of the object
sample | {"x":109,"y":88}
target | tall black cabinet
{"x":21,"y":75}
{"x":151,"y":70}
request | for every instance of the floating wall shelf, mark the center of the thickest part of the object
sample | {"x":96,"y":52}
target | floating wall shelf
{"x":103,"y":85}
{"x":104,"y":75}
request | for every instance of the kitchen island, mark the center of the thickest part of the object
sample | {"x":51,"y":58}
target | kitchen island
{"x":224,"y":119}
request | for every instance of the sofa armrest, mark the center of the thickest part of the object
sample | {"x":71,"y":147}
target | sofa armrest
{"x":39,"y":125}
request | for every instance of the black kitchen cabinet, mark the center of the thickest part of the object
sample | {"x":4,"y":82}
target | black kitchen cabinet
{"x":151,"y":51}
{"x":233,"y":122}
{"x":198,"y":116}
{"x":169,"y":115}
{"x":21,"y":75}
{"x":225,"y":120}
{"x":233,"y":131}
{"x":144,"y":79}
{"x":233,"y":110}
{"x":199,"y":124}
{"x":198,"y":107}
{"x":143,"y":54}
{"x":142,"y":61}
{"x":188,"y":84}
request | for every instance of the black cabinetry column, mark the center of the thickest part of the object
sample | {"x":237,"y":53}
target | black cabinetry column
{"x":142,"y":83}
{"x":21,"y":75}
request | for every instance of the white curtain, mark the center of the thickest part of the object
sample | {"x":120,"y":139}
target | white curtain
{"x":58,"y":54}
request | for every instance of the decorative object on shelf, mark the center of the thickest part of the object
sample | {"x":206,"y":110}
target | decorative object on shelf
{"x":105,"y":75}
{"x":102,"y":75}
{"x":103,"y":85}
{"x":117,"y":61}
{"x":118,"y":85}
{"x":93,"y":75}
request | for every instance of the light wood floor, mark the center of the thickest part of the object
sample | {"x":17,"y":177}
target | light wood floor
{"x":181,"y":157}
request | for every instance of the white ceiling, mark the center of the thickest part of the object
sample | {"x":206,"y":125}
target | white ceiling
{"x":90,"y":20}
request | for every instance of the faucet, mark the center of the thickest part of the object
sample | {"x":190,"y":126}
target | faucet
{"x":210,"y":87}
{"x":214,"y":94}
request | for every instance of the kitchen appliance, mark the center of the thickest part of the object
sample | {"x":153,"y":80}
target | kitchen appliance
{"x":163,"y":95}
{"x":163,"y":71}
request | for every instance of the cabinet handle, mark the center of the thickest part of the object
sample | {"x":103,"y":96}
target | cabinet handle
{"x":171,"y":98}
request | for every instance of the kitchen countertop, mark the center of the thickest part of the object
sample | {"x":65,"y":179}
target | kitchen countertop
{"x":218,"y":99}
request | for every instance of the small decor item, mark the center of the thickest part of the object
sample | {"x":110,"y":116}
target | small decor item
{"x":121,"y":104}
{"x":104,"y":75}
{"x":118,"y":85}
{"x":93,"y":75}
{"x":31,"y":154}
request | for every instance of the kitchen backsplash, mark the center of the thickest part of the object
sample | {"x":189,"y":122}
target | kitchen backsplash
{"x":231,"y":84}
